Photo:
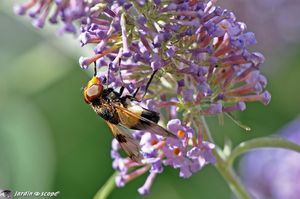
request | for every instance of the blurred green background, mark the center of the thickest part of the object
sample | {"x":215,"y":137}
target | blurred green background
{"x":50,"y":140}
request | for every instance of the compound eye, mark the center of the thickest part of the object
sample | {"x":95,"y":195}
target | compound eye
{"x":92,"y":92}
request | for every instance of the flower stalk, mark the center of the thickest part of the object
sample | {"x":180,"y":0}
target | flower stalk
{"x":231,"y":177}
{"x":225,"y":169}
{"x":225,"y":164}
{"x":266,"y":142}
{"x":107,"y":188}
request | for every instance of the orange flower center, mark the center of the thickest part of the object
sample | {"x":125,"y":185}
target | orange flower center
{"x":154,"y":142}
{"x":181,"y":133}
{"x":176,"y":151}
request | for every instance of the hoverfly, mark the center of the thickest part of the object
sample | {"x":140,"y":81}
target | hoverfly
{"x":121,"y":112}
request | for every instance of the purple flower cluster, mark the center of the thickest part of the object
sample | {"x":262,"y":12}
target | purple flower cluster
{"x":199,"y":53}
{"x":274,"y":173}
{"x":189,"y":154}
{"x":198,"y":47}
{"x":66,"y":11}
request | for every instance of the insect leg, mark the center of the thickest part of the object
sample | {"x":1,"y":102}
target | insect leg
{"x":135,"y":92}
{"x":148,"y":84}
{"x":121,"y":91}
{"x":95,"y":69}
{"x":108,"y":74}
{"x":120,"y":74}
{"x":121,"y":78}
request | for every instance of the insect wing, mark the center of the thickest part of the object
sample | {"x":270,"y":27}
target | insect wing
{"x":127,"y":142}
{"x":144,"y":124}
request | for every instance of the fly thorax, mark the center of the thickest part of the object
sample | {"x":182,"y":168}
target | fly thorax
{"x":112,"y":96}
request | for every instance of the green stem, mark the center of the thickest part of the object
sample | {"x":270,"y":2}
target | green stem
{"x":228,"y":173}
{"x":261,"y":143}
{"x":107,"y":188}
